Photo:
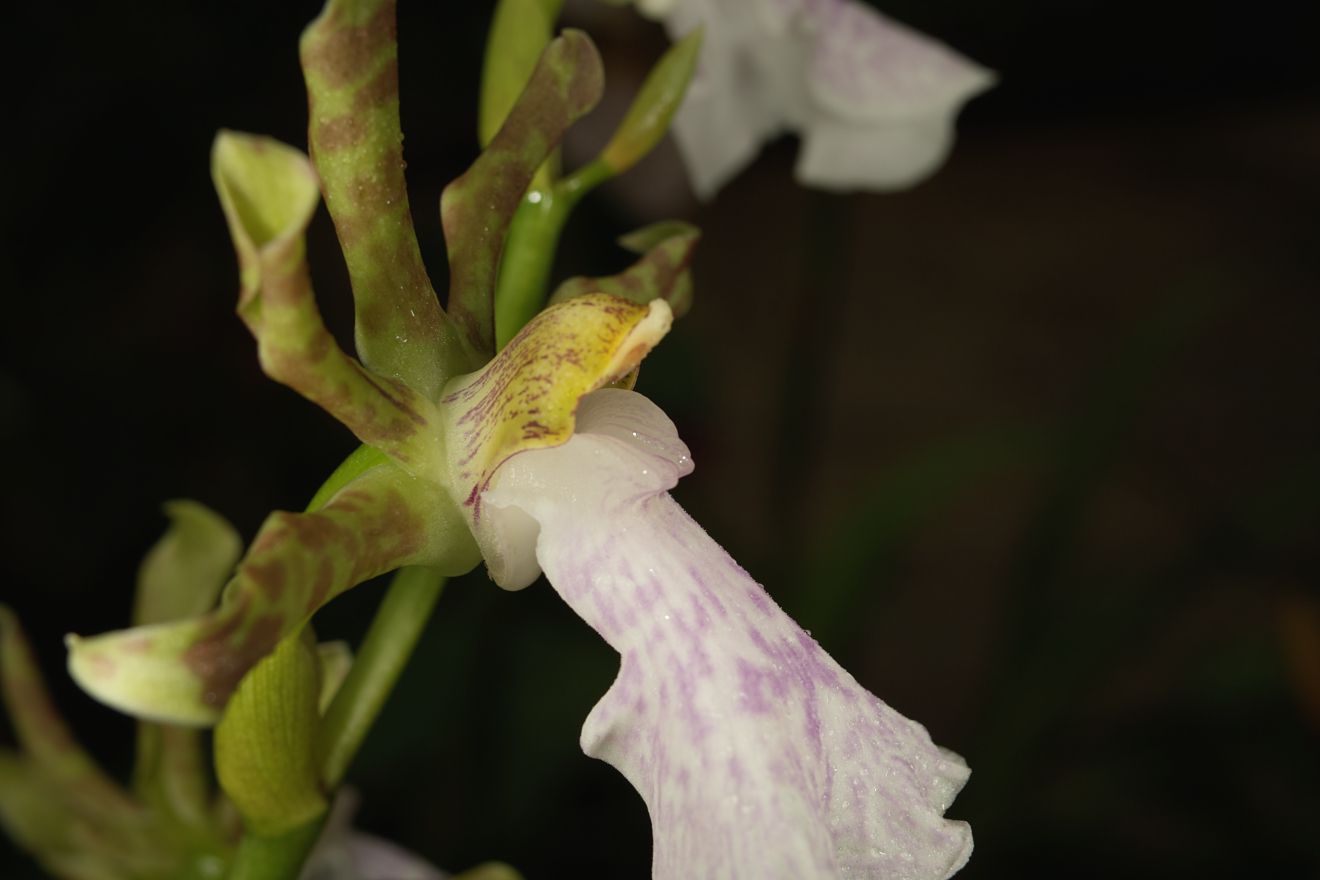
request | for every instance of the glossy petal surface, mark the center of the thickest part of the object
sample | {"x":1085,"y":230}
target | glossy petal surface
{"x":757,"y":755}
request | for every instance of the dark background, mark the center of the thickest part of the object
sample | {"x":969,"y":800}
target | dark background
{"x":1031,"y":448}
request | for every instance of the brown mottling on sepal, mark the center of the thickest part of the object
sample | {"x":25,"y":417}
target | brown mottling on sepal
{"x":350,"y":64}
{"x":348,"y":38}
{"x":268,"y":191}
{"x":476,"y":209}
{"x":663,"y":272}
{"x":185,"y":672}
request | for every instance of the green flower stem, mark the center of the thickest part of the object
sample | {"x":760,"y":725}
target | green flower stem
{"x":394,"y":632}
{"x":529,"y":251}
{"x":280,"y":857}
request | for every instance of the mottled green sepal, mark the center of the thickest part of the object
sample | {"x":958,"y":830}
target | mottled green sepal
{"x":265,"y":757}
{"x":268,"y":192}
{"x":350,"y":63}
{"x":180,"y":577}
{"x":663,"y":272}
{"x":71,"y":817}
{"x":653,"y":109}
{"x":184,"y":672}
{"x":476,"y":209}
{"x":182,"y":574}
{"x":639,"y":241}
{"x":519,"y":32}
{"x":138,"y":671}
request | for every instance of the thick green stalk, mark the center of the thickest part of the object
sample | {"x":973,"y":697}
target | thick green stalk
{"x":394,"y":632}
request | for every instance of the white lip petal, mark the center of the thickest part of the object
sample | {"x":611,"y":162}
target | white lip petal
{"x":757,"y":755}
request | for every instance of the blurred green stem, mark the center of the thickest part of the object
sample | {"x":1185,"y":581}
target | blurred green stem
{"x":394,"y":632}
{"x":529,"y":250}
{"x":275,"y":858}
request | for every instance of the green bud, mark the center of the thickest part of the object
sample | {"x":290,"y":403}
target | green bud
{"x":652,"y":110}
{"x":265,"y":742}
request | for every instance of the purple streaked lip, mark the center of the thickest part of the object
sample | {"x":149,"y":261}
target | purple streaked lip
{"x":757,"y":755}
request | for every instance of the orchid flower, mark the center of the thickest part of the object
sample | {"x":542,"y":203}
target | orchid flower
{"x":873,"y":101}
{"x":755,"y":753}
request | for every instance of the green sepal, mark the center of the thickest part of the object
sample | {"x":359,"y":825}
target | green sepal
{"x":265,"y":756}
{"x":184,"y":672}
{"x":653,"y":109}
{"x":181,"y":576}
{"x":519,"y":32}
{"x":58,"y":804}
{"x":32,"y":808}
{"x":476,"y":208}
{"x":663,"y":272}
{"x":182,"y":573}
{"x":268,"y":192}
{"x":350,"y":63}
{"x":40,"y":730}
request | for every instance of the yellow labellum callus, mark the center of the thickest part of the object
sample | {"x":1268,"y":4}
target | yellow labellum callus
{"x":527,"y":398}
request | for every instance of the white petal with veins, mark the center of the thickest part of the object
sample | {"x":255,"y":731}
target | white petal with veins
{"x":758,"y":756}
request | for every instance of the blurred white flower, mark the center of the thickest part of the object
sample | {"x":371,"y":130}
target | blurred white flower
{"x":873,"y":101}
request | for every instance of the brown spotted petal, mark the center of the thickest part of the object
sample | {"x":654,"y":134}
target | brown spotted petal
{"x":663,"y":272}
{"x":476,"y":209}
{"x":527,"y":399}
{"x":269,"y":192}
{"x":185,"y":671}
{"x":758,"y":756}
